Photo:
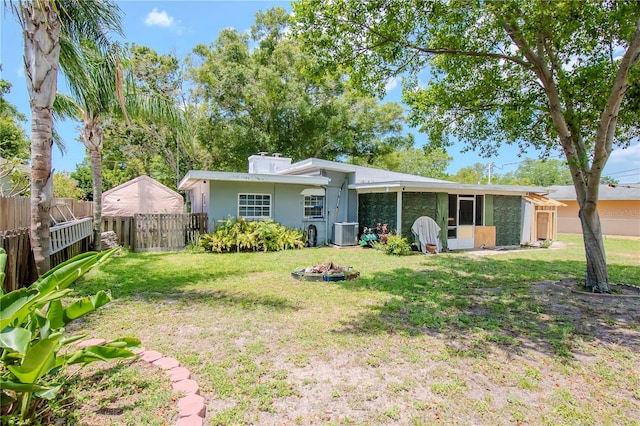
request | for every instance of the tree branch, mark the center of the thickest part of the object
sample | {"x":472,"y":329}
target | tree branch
{"x":430,"y":51}
{"x":609,"y":117}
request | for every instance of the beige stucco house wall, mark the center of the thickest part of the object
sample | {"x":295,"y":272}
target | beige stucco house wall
{"x":619,"y":210}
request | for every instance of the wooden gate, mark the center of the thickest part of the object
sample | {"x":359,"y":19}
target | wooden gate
{"x":167,"y":232}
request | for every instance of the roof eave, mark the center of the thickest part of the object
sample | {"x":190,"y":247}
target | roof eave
{"x":449,"y":187}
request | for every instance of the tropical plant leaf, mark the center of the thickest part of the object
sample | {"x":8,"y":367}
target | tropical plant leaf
{"x":48,"y":393}
{"x":16,"y":338}
{"x":85,"y":305}
{"x":98,"y":353}
{"x":55,"y":314}
{"x":21,"y":387}
{"x":38,"y":361}
{"x":15,"y":305}
{"x":125,"y":342}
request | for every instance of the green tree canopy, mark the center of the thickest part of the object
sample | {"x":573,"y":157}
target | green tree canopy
{"x":269,"y":98}
{"x":470,"y":174}
{"x":547,"y":74}
{"x":416,"y":161}
{"x":13,"y":140}
{"x":545,"y":172}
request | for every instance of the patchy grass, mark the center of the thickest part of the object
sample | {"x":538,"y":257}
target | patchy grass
{"x":454,"y":337}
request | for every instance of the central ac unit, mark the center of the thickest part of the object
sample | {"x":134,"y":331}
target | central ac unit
{"x":345,"y":233}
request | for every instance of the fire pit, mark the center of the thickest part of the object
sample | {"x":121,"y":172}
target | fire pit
{"x":328,"y":271}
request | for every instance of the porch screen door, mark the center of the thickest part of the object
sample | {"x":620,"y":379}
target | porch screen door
{"x":466,"y":215}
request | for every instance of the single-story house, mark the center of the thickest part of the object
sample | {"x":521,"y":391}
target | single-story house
{"x":336,"y":201}
{"x":618,"y":207}
{"x":141,"y":195}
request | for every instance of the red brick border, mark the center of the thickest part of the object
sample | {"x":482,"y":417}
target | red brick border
{"x":191,"y":407}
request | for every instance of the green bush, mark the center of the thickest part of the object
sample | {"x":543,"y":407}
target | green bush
{"x":396,"y":245}
{"x":240,"y":235}
{"x":32,"y":333}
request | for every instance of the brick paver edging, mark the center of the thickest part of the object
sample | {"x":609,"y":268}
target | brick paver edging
{"x":191,"y":407}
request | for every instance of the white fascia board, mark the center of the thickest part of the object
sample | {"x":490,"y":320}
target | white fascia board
{"x":313,"y":164}
{"x":196,"y":175}
{"x":452,"y":188}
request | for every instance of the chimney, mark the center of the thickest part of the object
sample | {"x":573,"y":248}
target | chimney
{"x":268,"y":165}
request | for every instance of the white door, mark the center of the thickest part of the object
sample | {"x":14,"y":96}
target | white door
{"x":466,"y":215}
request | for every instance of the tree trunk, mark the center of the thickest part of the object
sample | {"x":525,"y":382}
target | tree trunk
{"x":41,"y":31}
{"x":91,"y":135}
{"x":96,"y":174}
{"x":597,"y":279}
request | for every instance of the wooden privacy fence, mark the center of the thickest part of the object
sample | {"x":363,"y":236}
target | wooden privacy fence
{"x":15,"y":212}
{"x":156,"y":232}
{"x":20,"y":269}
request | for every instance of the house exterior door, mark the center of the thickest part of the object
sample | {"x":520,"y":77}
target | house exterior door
{"x":462,"y":221}
{"x":466,"y":214}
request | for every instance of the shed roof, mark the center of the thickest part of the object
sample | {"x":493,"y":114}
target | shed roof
{"x":141,"y":195}
{"x":539,"y":200}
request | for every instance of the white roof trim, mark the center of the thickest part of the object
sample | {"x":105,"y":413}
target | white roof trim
{"x":450,"y":187}
{"x":194,"y":176}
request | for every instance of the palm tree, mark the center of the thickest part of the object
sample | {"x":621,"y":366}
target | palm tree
{"x":103,"y":89}
{"x":51,"y":29}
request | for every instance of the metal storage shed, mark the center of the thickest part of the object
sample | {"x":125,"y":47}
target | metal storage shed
{"x":141,"y":195}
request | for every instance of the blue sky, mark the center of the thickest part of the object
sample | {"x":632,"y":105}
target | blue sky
{"x":177,"y":26}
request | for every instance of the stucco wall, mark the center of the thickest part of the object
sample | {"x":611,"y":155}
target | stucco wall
{"x":287,"y":203}
{"x":618,"y":217}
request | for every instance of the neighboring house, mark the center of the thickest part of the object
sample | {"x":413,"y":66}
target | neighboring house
{"x":141,"y":195}
{"x":318,"y":194}
{"x":618,"y":208}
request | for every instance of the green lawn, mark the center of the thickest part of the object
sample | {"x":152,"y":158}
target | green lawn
{"x":448,"y":338}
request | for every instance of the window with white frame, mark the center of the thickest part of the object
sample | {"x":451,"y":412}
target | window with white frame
{"x":314,"y":206}
{"x":254,"y":205}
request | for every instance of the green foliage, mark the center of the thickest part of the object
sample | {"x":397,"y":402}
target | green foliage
{"x":395,"y":245}
{"x":545,"y":172}
{"x":240,"y":235}
{"x":426,"y":162}
{"x":471,"y":174}
{"x":66,"y":187}
{"x":260,"y":92}
{"x":14,"y":178}
{"x":14,"y":143}
{"x":32,"y":324}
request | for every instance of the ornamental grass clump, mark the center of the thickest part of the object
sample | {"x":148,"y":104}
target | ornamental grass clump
{"x":240,"y":235}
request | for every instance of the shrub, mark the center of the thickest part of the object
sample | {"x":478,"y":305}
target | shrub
{"x":240,"y":235}
{"x":395,"y":245}
{"x":32,"y":332}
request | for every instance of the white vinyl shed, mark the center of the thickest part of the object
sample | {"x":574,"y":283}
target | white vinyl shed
{"x":141,"y":195}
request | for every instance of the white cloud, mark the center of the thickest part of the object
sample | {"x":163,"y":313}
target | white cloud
{"x":391,"y":84}
{"x":161,"y":19}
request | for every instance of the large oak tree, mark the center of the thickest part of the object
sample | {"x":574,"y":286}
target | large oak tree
{"x":540,"y":73}
{"x":261,"y":92}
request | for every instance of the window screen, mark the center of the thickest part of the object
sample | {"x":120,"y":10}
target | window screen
{"x":254,"y":205}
